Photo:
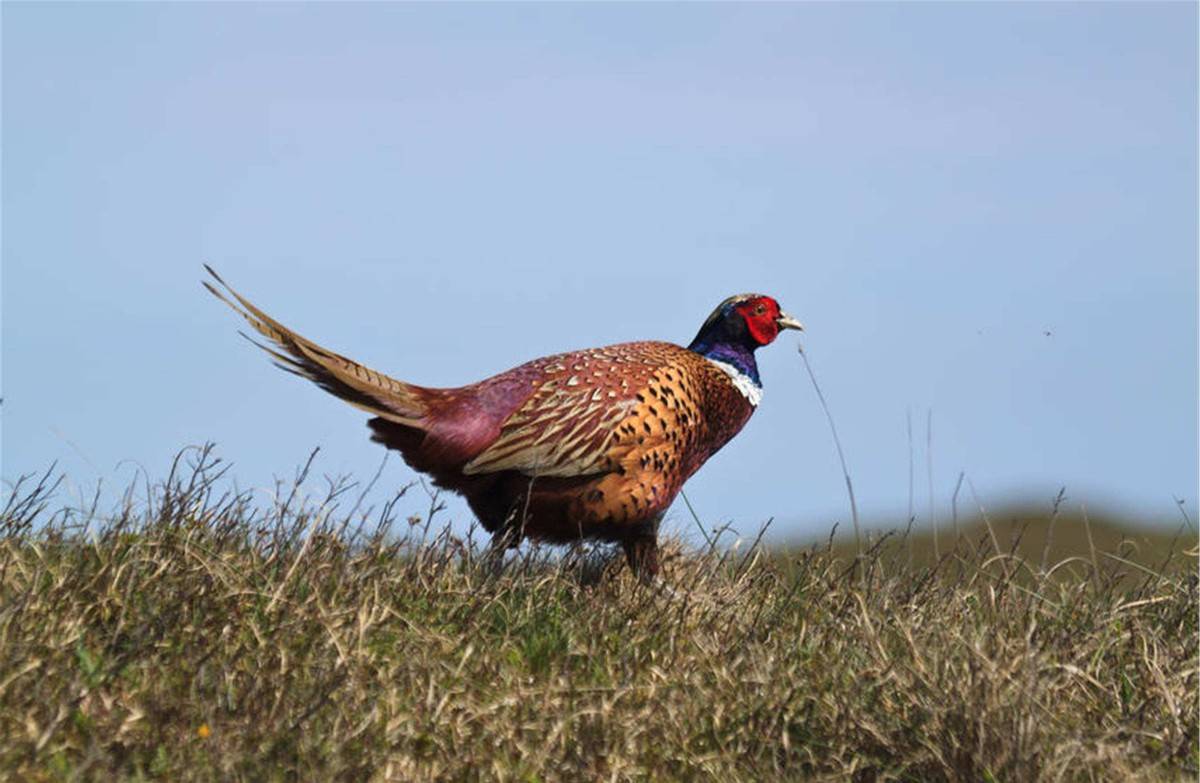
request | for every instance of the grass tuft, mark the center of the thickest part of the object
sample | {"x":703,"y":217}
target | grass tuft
{"x":195,"y":635}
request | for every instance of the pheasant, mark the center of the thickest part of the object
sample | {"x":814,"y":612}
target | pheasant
{"x":591,"y":444}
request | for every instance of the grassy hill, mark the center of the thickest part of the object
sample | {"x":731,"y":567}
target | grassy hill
{"x":197,"y":636}
{"x":1038,"y":537}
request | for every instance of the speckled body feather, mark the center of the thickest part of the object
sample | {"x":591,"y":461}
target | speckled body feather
{"x":592,"y":444}
{"x":588,"y":444}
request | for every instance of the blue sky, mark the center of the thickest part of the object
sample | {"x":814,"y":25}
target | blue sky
{"x":444,"y":191}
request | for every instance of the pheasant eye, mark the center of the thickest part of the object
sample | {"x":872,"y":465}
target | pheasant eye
{"x":760,"y":310}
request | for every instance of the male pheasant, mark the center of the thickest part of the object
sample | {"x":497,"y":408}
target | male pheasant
{"x":587,"y":444}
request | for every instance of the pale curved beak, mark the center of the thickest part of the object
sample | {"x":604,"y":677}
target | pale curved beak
{"x":785,"y":321}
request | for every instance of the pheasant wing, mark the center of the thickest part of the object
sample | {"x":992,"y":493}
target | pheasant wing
{"x":566,"y":426}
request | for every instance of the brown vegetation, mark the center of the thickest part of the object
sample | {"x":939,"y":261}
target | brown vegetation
{"x":194,"y":636}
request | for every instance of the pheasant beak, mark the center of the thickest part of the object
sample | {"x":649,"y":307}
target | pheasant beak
{"x":785,"y":321}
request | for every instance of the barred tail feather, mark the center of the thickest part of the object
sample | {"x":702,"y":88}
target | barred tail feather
{"x":362,"y":387}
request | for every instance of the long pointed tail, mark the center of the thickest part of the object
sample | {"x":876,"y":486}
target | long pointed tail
{"x":360,"y":386}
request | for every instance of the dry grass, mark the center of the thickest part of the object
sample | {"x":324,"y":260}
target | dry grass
{"x":195,"y":636}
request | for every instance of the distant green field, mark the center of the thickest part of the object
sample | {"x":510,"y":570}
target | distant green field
{"x":197,"y":636}
{"x":1036,"y":537}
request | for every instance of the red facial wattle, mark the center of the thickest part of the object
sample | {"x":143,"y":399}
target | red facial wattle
{"x":760,"y":316}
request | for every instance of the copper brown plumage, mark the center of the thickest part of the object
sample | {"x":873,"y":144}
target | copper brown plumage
{"x":588,"y":444}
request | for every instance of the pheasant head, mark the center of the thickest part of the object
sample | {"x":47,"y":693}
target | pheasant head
{"x":737,"y":328}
